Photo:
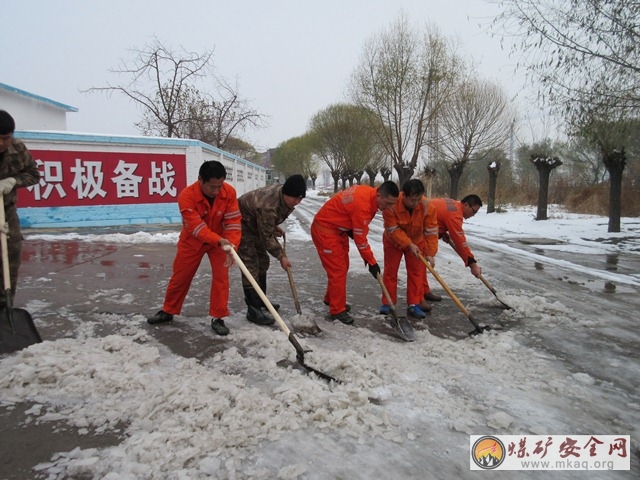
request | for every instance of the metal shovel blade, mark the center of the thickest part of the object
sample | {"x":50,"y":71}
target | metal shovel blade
{"x":400,"y":324}
{"x":17,"y":330}
{"x":402,"y":327}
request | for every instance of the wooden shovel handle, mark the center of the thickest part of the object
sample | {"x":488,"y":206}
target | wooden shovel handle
{"x":257,"y":288}
{"x":5,"y":248}
{"x":487,"y":284}
{"x":444,"y":285}
{"x":294,"y":292}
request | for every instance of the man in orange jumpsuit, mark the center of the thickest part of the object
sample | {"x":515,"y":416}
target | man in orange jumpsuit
{"x":451,"y":213}
{"x":210,"y":221}
{"x":410,"y":228}
{"x":347,"y":214}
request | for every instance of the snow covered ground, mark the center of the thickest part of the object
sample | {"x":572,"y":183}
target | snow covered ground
{"x":565,"y":361}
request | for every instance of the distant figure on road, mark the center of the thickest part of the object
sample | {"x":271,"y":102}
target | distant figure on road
{"x":410,"y":228}
{"x":17,"y":170}
{"x":348,"y":214}
{"x":210,"y":221}
{"x":451,"y":214}
{"x":263,"y":210}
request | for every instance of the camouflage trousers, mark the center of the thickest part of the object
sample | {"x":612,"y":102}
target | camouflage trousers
{"x":255,"y":257}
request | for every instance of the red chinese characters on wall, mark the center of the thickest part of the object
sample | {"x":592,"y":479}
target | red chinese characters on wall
{"x":104,"y":178}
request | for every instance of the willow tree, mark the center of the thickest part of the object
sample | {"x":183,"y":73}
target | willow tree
{"x":476,"y":118}
{"x":294,"y":156}
{"x":344,"y":141}
{"x":404,"y":76}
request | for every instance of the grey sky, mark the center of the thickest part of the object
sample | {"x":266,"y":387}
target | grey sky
{"x":291,"y":57}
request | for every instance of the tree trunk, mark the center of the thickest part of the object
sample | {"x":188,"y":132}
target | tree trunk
{"x":404,"y":173}
{"x":543,"y":193}
{"x":455,"y":173}
{"x":494,"y":168}
{"x":544,"y":165}
{"x":336,"y":179}
{"x":615,"y":162}
{"x":372,"y":177}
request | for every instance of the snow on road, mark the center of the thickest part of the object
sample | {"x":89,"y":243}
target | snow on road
{"x":404,"y":410}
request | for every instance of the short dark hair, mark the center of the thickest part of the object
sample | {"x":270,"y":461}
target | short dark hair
{"x":472,"y":200}
{"x":413,"y":187}
{"x":7,"y":123}
{"x":212,"y":169}
{"x":389,"y":189}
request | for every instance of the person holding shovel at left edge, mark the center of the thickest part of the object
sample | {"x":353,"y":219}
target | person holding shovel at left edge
{"x":17,"y":170}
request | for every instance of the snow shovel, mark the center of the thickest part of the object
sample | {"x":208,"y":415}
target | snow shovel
{"x":487,"y":284}
{"x":283,"y":326}
{"x":303,"y":324}
{"x":17,"y":330}
{"x":400,"y":324}
{"x":478,"y":328}
{"x":493,"y":290}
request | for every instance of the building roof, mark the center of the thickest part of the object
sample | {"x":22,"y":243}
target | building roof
{"x":33,"y":96}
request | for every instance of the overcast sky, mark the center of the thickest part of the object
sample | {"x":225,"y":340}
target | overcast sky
{"x":291,"y":58}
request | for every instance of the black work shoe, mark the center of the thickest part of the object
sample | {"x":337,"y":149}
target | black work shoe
{"x":344,"y":317}
{"x":347,"y":306}
{"x":432,"y":297}
{"x":160,"y":317}
{"x":218,"y":326}
{"x":255,"y":315}
{"x":267,"y":315}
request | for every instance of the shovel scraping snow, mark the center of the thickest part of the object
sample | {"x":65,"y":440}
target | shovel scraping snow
{"x":17,"y":330}
{"x":283,"y":326}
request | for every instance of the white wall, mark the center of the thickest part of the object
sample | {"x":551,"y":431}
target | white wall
{"x":31,"y":114}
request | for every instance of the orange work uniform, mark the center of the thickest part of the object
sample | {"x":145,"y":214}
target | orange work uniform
{"x":203,"y":224}
{"x":401,"y":229}
{"x":450,"y":218}
{"x":348,"y":213}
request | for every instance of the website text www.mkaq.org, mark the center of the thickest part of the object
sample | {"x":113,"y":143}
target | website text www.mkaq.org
{"x":567,"y":464}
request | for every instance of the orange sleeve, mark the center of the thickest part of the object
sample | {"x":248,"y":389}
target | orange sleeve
{"x":453,"y":223}
{"x":392,"y":228}
{"x":361,"y":214}
{"x":232,"y":220}
{"x":430,"y":228}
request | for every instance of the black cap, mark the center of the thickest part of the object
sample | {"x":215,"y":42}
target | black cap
{"x":295,"y":186}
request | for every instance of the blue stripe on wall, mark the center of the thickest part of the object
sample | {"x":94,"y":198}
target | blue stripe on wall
{"x":99,"y":215}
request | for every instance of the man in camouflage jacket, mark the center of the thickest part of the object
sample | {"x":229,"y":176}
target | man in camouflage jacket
{"x":263,"y":210}
{"x":17,"y":170}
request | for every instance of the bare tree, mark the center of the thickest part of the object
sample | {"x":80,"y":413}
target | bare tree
{"x":220,"y":119}
{"x":164,"y":83}
{"x":476,"y":118}
{"x":403,"y":77}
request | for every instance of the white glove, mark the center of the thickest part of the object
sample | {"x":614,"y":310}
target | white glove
{"x":6,"y":185}
{"x":4,"y":228}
